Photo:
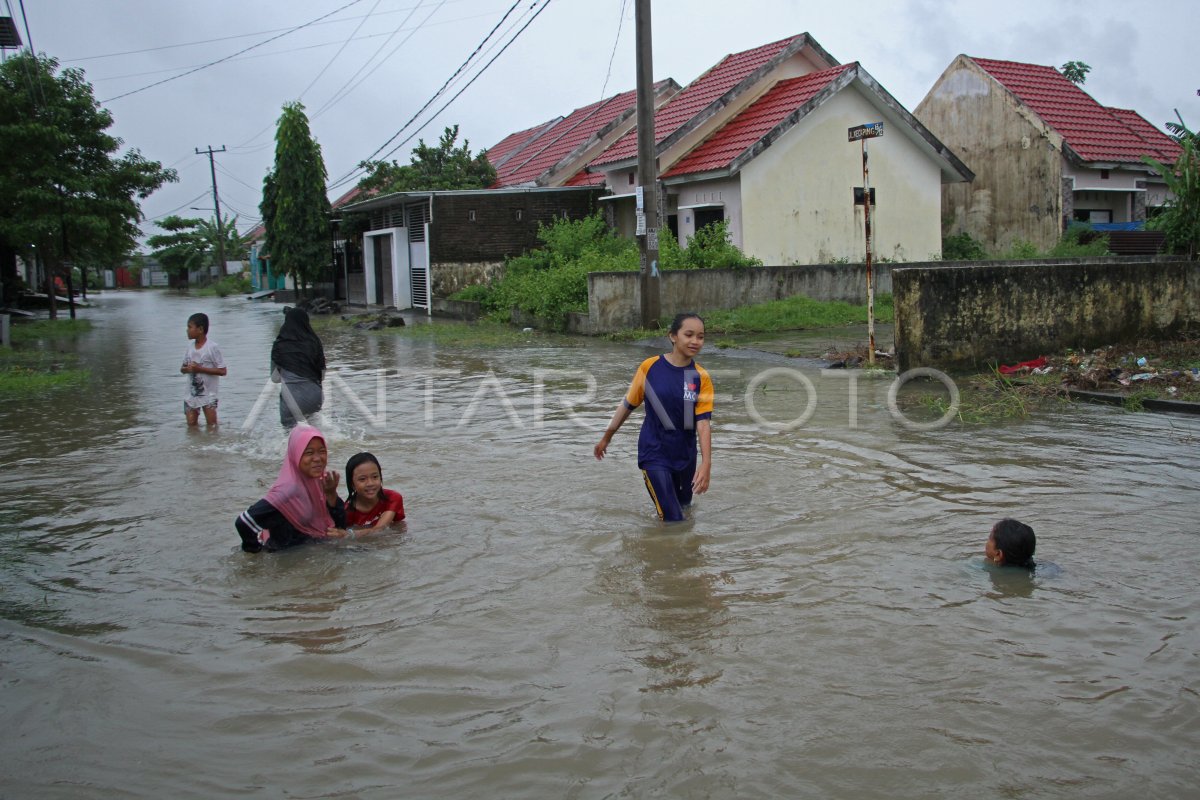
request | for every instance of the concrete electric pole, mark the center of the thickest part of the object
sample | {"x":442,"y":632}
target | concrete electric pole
{"x":212,"y":166}
{"x":647,"y":177}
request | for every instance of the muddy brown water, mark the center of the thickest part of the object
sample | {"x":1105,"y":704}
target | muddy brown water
{"x":823,"y":626}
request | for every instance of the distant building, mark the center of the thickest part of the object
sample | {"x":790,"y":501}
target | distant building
{"x":1043,"y":151}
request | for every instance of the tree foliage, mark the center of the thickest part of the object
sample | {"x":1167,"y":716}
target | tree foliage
{"x":63,"y":186}
{"x":1180,"y":220}
{"x":1076,"y":72}
{"x":191,"y":244}
{"x":442,"y":167}
{"x":295,"y":208}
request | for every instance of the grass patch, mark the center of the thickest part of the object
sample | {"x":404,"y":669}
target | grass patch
{"x":29,"y":367}
{"x":25,"y":372}
{"x":45,"y":329}
{"x":794,"y":313}
{"x":789,"y":314}
{"x":230,"y":284}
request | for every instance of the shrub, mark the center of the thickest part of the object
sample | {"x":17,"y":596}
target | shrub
{"x":1080,"y":241}
{"x":476,"y":293}
{"x":552,"y":280}
{"x":711,"y":247}
{"x":962,"y":247}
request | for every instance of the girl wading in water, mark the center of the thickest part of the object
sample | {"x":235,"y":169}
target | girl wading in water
{"x":678,"y":394}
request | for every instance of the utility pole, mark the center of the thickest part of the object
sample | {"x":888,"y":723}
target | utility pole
{"x":647,"y":190}
{"x":212,"y":166}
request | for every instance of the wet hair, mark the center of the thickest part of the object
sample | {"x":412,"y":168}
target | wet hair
{"x":356,"y":461}
{"x":681,"y":318}
{"x":1017,"y":542}
{"x":200,"y":321}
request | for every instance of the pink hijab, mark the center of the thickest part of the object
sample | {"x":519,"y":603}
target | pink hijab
{"x":295,"y":495}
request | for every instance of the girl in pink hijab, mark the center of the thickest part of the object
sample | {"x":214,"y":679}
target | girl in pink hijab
{"x":302,"y":504}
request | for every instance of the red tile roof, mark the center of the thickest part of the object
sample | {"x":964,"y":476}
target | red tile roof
{"x":512,"y":144}
{"x":349,"y":196}
{"x":697,"y":96}
{"x":1094,"y":132}
{"x":1168,"y":149}
{"x":585,"y":178}
{"x":566,"y":135}
{"x":745,"y":130}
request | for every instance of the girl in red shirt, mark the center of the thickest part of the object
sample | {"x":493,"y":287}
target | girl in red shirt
{"x":370,"y":507}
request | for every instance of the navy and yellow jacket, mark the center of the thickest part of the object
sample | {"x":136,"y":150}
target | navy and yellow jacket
{"x":676,"y":398}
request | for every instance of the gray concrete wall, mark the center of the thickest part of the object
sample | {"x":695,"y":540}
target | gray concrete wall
{"x":966,"y":317}
{"x":446,"y":278}
{"x":614,"y":298}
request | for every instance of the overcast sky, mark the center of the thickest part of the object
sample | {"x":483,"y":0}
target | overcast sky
{"x":363,"y":68}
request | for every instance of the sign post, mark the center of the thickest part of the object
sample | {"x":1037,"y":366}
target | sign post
{"x":861,"y":133}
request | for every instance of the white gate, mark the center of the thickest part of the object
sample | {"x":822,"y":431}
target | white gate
{"x":418,"y":255}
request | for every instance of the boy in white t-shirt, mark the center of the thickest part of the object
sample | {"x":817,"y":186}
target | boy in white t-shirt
{"x":204,"y":362}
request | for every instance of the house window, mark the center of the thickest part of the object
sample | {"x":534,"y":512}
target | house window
{"x":1103,"y":174}
{"x":631,"y":179}
{"x":471,"y":215}
{"x":1093,"y":216}
{"x":858,"y":195}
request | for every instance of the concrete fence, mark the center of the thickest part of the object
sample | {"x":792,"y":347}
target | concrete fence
{"x":614,"y":298}
{"x":967,"y":316}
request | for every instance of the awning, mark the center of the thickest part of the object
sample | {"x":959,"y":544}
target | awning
{"x":703,"y":205}
{"x":617,"y":196}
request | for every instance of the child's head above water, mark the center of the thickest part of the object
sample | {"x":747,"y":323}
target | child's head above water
{"x":1011,"y":543}
{"x":197,"y":323}
{"x":364,"y":476}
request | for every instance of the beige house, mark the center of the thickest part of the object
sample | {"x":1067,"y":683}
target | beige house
{"x":761,"y":141}
{"x":1044,"y":153}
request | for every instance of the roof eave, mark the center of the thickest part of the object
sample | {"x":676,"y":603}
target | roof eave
{"x":692,"y":177}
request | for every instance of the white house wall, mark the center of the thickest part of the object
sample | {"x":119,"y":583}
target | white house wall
{"x":797,"y":195}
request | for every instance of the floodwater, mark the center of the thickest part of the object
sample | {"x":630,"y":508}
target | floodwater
{"x":824,"y":626}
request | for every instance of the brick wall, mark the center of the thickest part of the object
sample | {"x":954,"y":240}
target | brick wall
{"x":493,"y":226}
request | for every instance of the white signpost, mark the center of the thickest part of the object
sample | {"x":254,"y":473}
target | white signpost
{"x":860,"y":133}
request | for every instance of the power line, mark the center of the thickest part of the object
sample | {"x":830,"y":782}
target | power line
{"x":346,"y":88}
{"x":611,"y":58}
{"x":442,"y":89}
{"x":358,"y":170}
{"x":240,"y":52}
{"x":473,"y":79}
{"x":199,"y":42}
{"x":188,"y":204}
{"x":329,"y":63}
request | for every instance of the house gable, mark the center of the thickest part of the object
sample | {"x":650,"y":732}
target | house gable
{"x":735,"y":77}
{"x":786,"y":104}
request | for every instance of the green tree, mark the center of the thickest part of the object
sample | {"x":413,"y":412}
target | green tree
{"x":191,"y":244}
{"x":63,"y":187}
{"x":442,"y":167}
{"x":1180,"y":220}
{"x":295,"y":209}
{"x":1076,"y":72}
{"x":182,"y":248}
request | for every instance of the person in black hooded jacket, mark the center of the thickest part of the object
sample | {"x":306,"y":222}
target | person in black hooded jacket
{"x":298,"y":365}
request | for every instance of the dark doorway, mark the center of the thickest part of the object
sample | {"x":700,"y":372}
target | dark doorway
{"x":707,"y":216}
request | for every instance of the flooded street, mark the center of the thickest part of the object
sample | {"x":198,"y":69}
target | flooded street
{"x":824,"y":626}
